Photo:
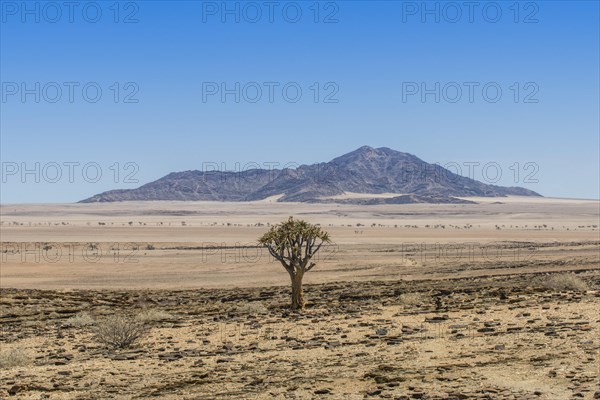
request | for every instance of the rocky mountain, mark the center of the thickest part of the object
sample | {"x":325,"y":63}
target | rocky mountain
{"x":365,"y":170}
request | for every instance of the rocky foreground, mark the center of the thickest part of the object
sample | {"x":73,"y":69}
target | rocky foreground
{"x":484,"y":338}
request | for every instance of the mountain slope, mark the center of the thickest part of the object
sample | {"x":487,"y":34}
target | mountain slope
{"x":365,"y":170}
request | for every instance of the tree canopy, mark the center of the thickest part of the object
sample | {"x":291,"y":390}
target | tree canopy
{"x":294,"y":242}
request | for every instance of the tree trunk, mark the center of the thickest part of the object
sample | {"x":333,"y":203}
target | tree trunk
{"x":297,"y":295}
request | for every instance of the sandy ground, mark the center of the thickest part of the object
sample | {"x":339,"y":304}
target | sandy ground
{"x":411,"y":301}
{"x":212,"y":244}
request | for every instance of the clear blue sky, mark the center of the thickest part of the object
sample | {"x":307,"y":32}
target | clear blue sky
{"x":169,"y":55}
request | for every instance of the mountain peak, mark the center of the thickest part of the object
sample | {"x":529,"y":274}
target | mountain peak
{"x":361,"y":152}
{"x":376,"y":150}
{"x":365,"y":148}
{"x":366,"y":153}
{"x":365,"y":170}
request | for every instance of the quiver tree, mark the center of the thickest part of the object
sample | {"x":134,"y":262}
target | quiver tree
{"x":294,"y":243}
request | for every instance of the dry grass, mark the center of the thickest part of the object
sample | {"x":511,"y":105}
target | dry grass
{"x":81,"y":319}
{"x":154,"y":315}
{"x":253,"y":308}
{"x":565,"y":282}
{"x":412,"y":299}
{"x":15,"y":357}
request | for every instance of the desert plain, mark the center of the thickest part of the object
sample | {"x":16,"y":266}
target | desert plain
{"x":495,"y":300}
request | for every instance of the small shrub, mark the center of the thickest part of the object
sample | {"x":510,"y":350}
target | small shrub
{"x":153,"y":315}
{"x":119,"y":331}
{"x":15,"y":357}
{"x":81,"y":319}
{"x":253,"y":308}
{"x":565,"y":282}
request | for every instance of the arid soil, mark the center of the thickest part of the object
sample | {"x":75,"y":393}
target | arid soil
{"x":502,"y":338}
{"x":411,"y":301}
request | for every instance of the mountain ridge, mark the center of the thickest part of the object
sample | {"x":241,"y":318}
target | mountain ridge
{"x":365,"y":170}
